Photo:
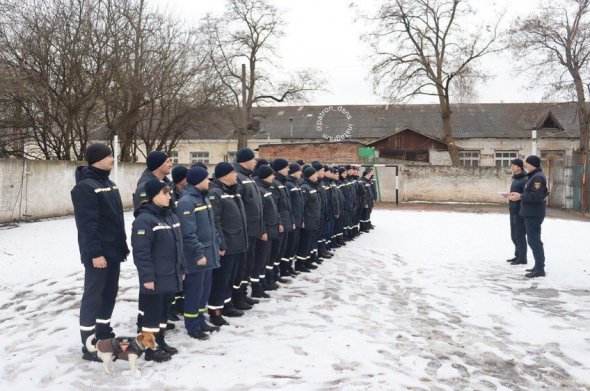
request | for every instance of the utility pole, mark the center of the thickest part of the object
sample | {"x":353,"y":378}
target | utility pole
{"x":534,"y":146}
{"x":243,"y":140}
{"x":291,"y":122}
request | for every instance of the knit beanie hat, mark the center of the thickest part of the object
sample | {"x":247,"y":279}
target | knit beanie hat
{"x":196,"y":175}
{"x":97,"y":152}
{"x":155,"y":159}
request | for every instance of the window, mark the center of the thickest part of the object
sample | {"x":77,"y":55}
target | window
{"x":503,"y":158}
{"x":231,"y":156}
{"x":469,"y":158}
{"x":173,"y":157}
{"x":201,"y":156}
{"x":555,"y":157}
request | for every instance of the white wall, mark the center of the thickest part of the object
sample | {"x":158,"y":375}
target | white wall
{"x":44,"y":188}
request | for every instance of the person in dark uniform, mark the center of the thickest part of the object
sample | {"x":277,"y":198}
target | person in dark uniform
{"x":179,"y":182}
{"x":159,"y":167}
{"x":312,"y":215}
{"x":252,"y":201}
{"x":338,"y":200}
{"x":318,"y":249}
{"x":158,"y":255}
{"x":230,"y":221}
{"x":98,"y":210}
{"x":281,"y":171}
{"x":201,"y":251}
{"x":262,"y":276}
{"x":342,"y":220}
{"x":297,"y":209}
{"x":367,"y":201}
{"x":517,"y":224}
{"x":533,"y":207}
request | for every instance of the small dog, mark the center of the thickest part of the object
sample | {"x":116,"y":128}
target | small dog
{"x":122,"y":348}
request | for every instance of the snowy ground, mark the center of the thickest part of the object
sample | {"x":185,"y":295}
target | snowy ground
{"x":425,"y":301}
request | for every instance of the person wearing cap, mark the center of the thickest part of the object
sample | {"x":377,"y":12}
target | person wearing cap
{"x":338,"y":200}
{"x":201,"y":251}
{"x":231,"y":225}
{"x":258,"y":276}
{"x":281,"y":170}
{"x":159,"y":167}
{"x":360,"y":196}
{"x":367,"y":200}
{"x":297,"y":208}
{"x":533,"y":205}
{"x":342,"y":221}
{"x":179,"y":182}
{"x":102,"y":240}
{"x":318,"y":247}
{"x":244,"y":165}
{"x":158,"y":255}
{"x":312,"y":216}
{"x":333,"y":211}
{"x":517,"y":225}
{"x":352,"y":201}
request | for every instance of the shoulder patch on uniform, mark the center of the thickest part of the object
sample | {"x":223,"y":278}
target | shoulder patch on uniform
{"x":141,"y":232}
{"x":537,"y":185}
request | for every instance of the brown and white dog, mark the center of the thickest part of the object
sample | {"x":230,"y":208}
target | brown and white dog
{"x":122,"y":348}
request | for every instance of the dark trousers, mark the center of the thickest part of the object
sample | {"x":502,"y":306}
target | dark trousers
{"x":240,"y":281}
{"x":292,"y":244}
{"x":197,"y":289}
{"x":153,"y":311}
{"x":365,"y":219}
{"x":275,"y":253}
{"x":221,"y":288}
{"x":306,"y":244}
{"x":98,"y":300}
{"x":262,"y":254}
{"x":533,"y":232}
{"x":518,"y":235}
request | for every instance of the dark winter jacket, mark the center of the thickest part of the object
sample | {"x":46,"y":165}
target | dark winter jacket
{"x":296,"y":201}
{"x":99,"y":216}
{"x":230,"y":217}
{"x":312,"y":214}
{"x":336,"y":198}
{"x":157,"y":249}
{"x":368,"y":196}
{"x":345,"y":191}
{"x":270,"y":211}
{"x":533,"y":199}
{"x":199,"y":234}
{"x":517,"y":186}
{"x":284,"y":205}
{"x":323,"y":199}
{"x":139,"y":195}
{"x":252,"y":201}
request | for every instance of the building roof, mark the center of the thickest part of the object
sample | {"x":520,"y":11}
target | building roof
{"x":487,"y":120}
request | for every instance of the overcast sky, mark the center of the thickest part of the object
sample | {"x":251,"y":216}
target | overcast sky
{"x":323,"y":34}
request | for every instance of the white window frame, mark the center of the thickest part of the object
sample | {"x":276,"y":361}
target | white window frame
{"x":469,"y":158}
{"x":173,"y":157}
{"x":200,"y":156}
{"x":231,"y":156}
{"x":502,"y":158}
{"x":560,"y":153}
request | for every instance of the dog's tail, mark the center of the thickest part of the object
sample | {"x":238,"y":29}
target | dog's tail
{"x":89,"y":345}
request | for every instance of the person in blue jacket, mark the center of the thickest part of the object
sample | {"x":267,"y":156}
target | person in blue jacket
{"x":533,"y":205}
{"x":517,"y":224}
{"x":102,"y":240}
{"x":158,"y":255}
{"x":201,"y":250}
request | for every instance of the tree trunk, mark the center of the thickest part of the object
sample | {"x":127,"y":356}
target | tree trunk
{"x":445,"y":113}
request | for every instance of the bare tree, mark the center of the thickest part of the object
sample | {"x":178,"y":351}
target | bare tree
{"x":242,"y":47}
{"x":553,"y":45}
{"x":424,"y":47}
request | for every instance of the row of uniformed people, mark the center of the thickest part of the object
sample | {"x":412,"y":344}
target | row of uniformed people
{"x":253,"y":224}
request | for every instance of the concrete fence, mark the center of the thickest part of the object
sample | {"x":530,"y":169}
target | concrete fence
{"x":34,"y":189}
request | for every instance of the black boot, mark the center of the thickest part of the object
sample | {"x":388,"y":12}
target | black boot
{"x":157,"y":355}
{"x":535,"y":274}
{"x":518,"y":263}
{"x":208,"y":328}
{"x":217,"y":319}
{"x":258,"y":292}
{"x":162,"y":345}
{"x":511,"y":260}
{"x":90,"y":356}
{"x":241,"y":305}
{"x":250,"y":301}
{"x":231,"y":312}
{"x":301,"y":267}
{"x":199,"y":334}
{"x":310,"y":265}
